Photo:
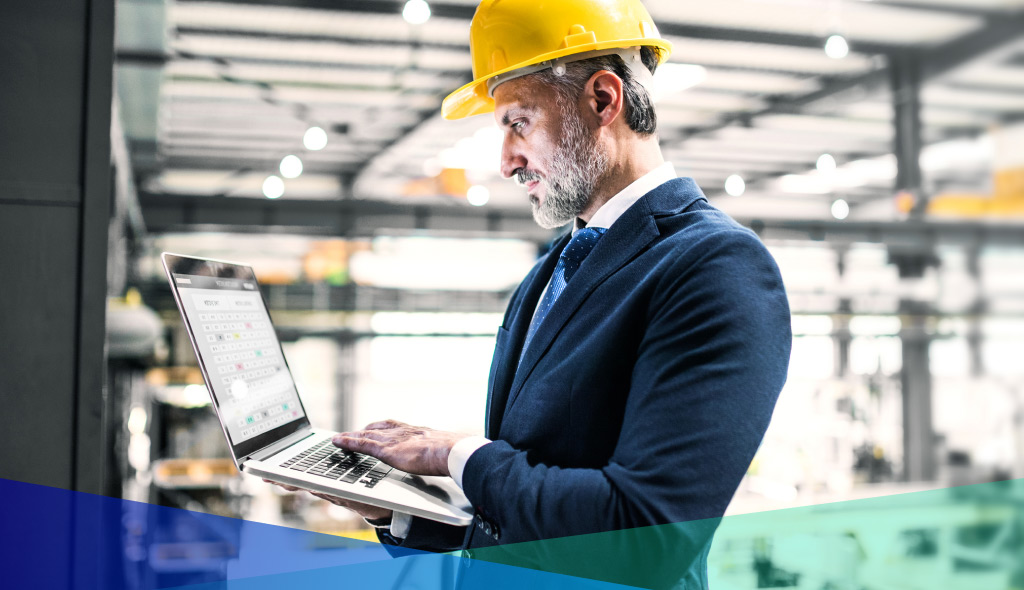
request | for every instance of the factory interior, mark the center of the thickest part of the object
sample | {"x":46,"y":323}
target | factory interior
{"x":876,"y":147}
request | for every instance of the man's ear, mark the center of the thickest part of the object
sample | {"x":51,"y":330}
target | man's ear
{"x":603,"y":97}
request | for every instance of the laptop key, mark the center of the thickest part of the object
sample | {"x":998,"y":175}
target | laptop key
{"x":352,"y":476}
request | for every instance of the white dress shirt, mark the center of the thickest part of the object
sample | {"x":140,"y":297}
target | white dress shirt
{"x":607,"y":215}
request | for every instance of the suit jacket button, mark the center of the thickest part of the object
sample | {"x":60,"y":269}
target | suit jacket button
{"x":487,"y":528}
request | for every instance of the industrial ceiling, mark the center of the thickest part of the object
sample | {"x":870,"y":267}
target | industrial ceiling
{"x":214,"y":94}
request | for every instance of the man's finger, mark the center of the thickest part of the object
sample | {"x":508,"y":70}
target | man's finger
{"x":381,"y":435}
{"x":332,"y":499}
{"x":384,"y":425}
{"x":371,"y":435}
{"x":355,"y":443}
{"x":285,"y":486}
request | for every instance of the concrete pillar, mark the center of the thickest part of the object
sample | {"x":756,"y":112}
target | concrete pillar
{"x":56,"y":60}
{"x":905,"y":83}
{"x":919,"y":461}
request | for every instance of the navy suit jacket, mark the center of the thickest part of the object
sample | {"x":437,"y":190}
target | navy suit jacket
{"x":644,"y":393}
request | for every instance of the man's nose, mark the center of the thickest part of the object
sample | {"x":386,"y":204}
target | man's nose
{"x":511,"y":159}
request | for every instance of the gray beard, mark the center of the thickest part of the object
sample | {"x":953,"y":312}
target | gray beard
{"x":578,"y":164}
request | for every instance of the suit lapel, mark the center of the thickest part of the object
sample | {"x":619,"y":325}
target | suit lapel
{"x":624,"y":240}
{"x":627,"y":237}
{"x":520,"y":323}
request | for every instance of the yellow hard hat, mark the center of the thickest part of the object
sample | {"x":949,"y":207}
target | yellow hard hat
{"x":509,"y":35}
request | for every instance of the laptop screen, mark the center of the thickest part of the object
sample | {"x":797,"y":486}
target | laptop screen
{"x":238,"y":350}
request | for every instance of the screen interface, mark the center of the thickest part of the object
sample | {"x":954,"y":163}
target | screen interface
{"x":250,"y":381}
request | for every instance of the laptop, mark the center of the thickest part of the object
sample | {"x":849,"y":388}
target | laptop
{"x":260,"y":410}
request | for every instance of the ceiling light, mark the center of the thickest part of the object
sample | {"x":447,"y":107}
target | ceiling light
{"x":273,"y":187}
{"x":826,"y":163}
{"x":836,"y":47}
{"x":735,"y":186}
{"x":840,"y":209}
{"x":416,"y":12}
{"x":673,"y":78}
{"x":291,"y":167}
{"x":315,"y":139}
{"x":478,"y":195}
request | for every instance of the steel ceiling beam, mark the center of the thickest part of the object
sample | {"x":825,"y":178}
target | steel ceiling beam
{"x":354,"y":217}
{"x":999,"y":30}
{"x":439,"y":9}
{"x":305,"y":37}
{"x":994,"y":37}
{"x":914,"y":233}
{"x":963,"y":10}
{"x":160,"y":59}
{"x":671,"y":29}
{"x":926,"y":65}
{"x":338,"y":217}
{"x":905,"y":78}
{"x":466,"y":12}
{"x":997,"y":33}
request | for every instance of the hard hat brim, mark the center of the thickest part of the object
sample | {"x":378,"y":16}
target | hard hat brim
{"x":472,"y":98}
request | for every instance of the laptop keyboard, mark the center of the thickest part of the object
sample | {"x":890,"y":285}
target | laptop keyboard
{"x":326,"y":460}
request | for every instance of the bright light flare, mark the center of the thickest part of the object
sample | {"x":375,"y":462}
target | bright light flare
{"x":478,"y":195}
{"x":291,"y":167}
{"x":840,"y":209}
{"x":826,"y":163}
{"x":837,"y":47}
{"x":315,"y":139}
{"x":273,"y":187}
{"x":416,"y":12}
{"x":735,"y":185}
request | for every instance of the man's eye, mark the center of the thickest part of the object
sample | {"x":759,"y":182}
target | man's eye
{"x":517,"y":125}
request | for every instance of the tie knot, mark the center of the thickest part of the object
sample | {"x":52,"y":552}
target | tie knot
{"x":582,"y":242}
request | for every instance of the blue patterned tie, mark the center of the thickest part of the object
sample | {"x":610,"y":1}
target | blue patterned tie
{"x":582,"y":242}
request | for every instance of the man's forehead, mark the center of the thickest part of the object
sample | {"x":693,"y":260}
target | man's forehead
{"x":518,"y":97}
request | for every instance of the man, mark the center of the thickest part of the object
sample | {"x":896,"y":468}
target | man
{"x":638,"y":363}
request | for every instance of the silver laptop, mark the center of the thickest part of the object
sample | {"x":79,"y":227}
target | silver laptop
{"x":259,"y":408}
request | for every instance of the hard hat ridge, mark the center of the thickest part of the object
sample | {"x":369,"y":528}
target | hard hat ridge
{"x":630,"y":56}
{"x":513,"y":38}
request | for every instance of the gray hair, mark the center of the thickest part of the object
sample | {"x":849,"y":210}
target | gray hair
{"x":639,"y":109}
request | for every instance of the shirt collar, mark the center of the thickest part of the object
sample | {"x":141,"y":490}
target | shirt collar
{"x":617,"y":205}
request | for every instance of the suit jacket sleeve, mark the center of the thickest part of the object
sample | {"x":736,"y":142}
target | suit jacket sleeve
{"x":424,"y":535}
{"x":707,"y":373}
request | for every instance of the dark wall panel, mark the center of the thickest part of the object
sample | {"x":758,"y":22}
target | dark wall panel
{"x":56,"y":62}
{"x":42,"y":57}
{"x":39,"y":249}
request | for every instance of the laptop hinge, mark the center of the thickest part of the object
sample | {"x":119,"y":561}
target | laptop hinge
{"x":284,"y":443}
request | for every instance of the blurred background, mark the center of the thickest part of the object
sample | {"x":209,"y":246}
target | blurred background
{"x":875,"y":146}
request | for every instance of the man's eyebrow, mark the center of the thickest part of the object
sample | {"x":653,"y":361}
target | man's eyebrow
{"x":515,"y":112}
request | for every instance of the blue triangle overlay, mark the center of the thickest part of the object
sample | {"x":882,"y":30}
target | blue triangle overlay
{"x":961,"y":538}
{"x":59,"y":539}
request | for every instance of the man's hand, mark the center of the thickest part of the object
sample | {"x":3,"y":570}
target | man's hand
{"x":364,"y":510}
{"x":414,"y":449}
